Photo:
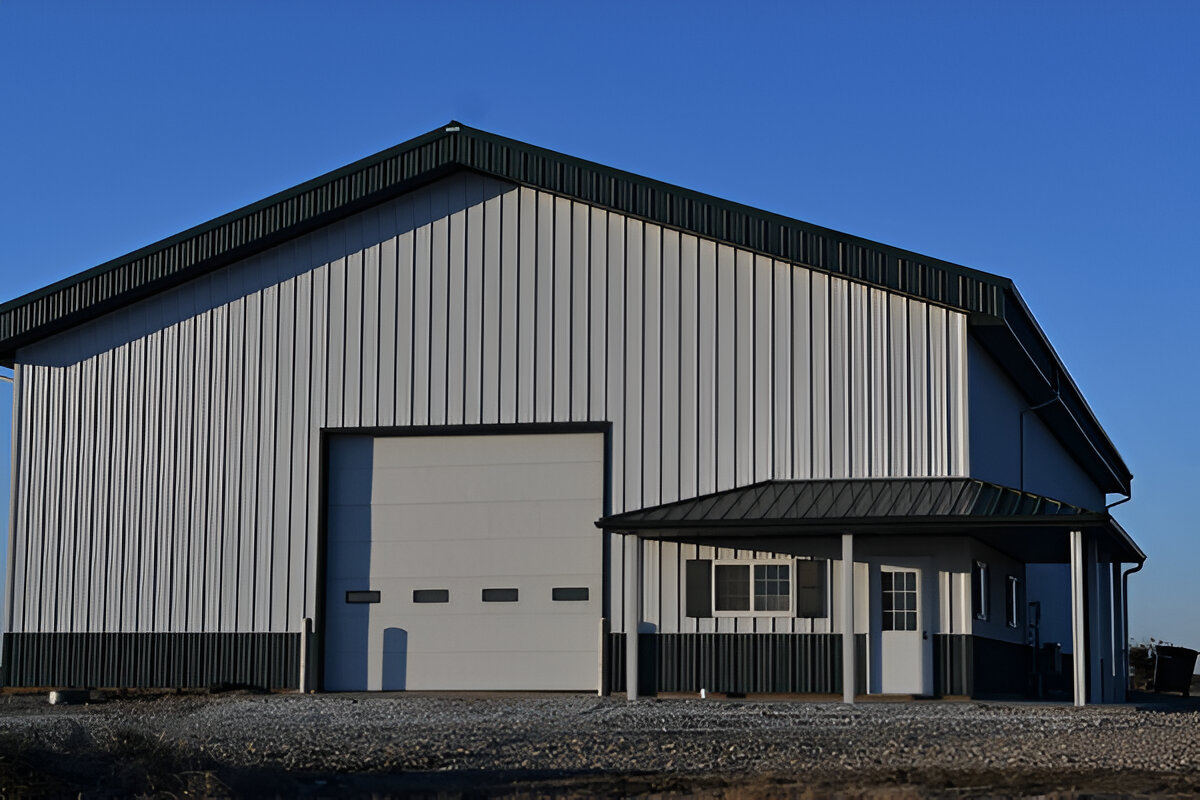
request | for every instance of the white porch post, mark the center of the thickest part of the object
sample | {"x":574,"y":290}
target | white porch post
{"x":633,"y":612}
{"x":847,"y":617}
{"x":1079,"y":617}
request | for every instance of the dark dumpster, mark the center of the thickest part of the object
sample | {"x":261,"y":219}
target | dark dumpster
{"x":1173,"y":667}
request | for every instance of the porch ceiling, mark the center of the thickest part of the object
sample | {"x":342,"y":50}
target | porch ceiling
{"x":1013,"y":521}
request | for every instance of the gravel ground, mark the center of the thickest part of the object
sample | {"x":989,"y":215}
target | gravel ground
{"x":546,"y":745}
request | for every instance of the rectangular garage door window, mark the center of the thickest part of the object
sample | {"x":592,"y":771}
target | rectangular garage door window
{"x":570,"y":593}
{"x":499,"y":595}
{"x":431,"y":595}
{"x":362,"y":597}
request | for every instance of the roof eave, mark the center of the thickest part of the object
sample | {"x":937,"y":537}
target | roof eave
{"x":1020,"y":345}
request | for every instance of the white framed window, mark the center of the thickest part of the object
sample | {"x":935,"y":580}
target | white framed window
{"x":1012,"y":596}
{"x":979,"y":590}
{"x":752,"y":588}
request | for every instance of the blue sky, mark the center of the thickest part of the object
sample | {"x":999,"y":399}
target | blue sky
{"x":1052,"y":143}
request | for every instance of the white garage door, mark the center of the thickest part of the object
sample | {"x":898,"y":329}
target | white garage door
{"x":464,"y":562}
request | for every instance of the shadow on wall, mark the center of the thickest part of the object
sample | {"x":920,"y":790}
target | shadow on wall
{"x":333,"y":244}
{"x":395,"y":659}
{"x":348,"y":562}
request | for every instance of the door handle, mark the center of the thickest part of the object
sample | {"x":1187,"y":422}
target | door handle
{"x":925,"y":635}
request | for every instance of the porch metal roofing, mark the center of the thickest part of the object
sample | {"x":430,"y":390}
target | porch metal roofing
{"x":1010,"y":519}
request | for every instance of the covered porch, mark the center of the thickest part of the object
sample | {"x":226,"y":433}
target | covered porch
{"x":929,"y":575}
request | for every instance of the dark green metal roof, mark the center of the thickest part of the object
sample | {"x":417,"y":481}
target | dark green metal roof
{"x":884,"y":500}
{"x":876,"y":506}
{"x":1008,"y":329}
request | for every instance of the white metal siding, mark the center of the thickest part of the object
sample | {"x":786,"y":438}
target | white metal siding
{"x":167,"y":473}
{"x":1032,"y":459}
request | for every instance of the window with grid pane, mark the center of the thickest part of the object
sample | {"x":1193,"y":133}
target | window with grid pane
{"x":772,"y":587}
{"x":898,"y":600}
{"x":750,"y":588}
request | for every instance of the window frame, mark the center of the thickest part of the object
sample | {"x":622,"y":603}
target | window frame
{"x":980,"y":584}
{"x":750,"y":564}
{"x":1012,"y":601}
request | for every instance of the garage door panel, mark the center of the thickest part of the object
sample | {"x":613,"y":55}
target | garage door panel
{"x":346,"y":667}
{"x":481,"y":557}
{"x":500,"y":671}
{"x":479,"y":521}
{"x":480,"y":483}
{"x":472,"y":450}
{"x":460,"y":515}
{"x":351,"y":452}
{"x":525,"y":633}
{"x":429,"y":521}
{"x":534,"y":592}
{"x":350,"y":486}
{"x":348,"y":524}
{"x":349,"y":560}
{"x":546,"y":518}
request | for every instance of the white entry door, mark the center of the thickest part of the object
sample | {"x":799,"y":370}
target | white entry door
{"x":902,"y":631}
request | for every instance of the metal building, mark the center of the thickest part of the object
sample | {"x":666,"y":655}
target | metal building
{"x":479,"y":415}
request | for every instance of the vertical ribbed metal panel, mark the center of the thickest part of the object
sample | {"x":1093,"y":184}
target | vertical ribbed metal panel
{"x":953,"y":664}
{"x":736,"y":663}
{"x":167,"y":455}
{"x":153,"y":660}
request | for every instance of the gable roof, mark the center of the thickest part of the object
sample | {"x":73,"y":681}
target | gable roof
{"x":999,"y":316}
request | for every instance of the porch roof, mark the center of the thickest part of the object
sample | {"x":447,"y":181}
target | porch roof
{"x":1012,"y":520}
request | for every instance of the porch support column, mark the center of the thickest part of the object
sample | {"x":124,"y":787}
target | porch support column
{"x":1120,"y":639}
{"x":633,"y":612}
{"x":847,"y":617}
{"x":1079,"y":619}
{"x":1093,"y":603}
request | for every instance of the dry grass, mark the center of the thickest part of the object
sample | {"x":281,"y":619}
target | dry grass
{"x":118,"y":763}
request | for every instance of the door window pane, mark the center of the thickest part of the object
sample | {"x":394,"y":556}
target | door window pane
{"x":898,"y":601}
